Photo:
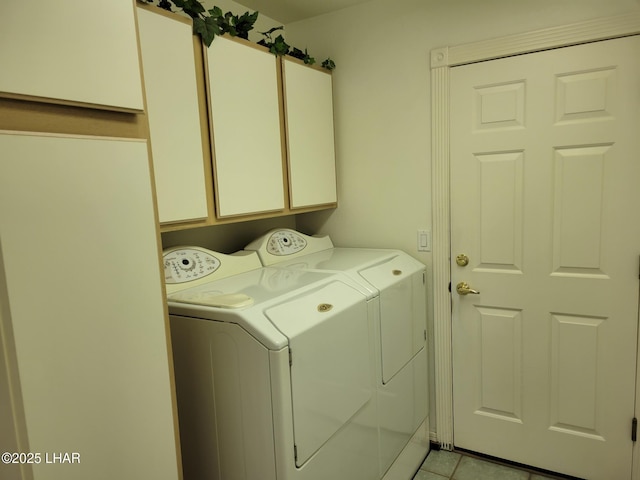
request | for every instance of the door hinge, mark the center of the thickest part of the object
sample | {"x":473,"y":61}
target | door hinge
{"x":290,"y":358}
{"x":425,"y":335}
{"x":295,"y":453}
{"x":424,"y":278}
{"x":634,"y":429}
{"x":449,"y":287}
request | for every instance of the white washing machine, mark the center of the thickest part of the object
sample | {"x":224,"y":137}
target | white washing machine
{"x":396,"y":292}
{"x":274,"y":368}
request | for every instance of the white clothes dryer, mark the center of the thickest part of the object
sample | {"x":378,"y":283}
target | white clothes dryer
{"x":274,"y":370}
{"x":396,"y":292}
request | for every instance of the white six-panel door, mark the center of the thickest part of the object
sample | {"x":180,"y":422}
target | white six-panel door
{"x":544,"y":175}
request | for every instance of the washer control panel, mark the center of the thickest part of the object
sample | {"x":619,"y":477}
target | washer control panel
{"x":285,"y":242}
{"x":188,"y":264}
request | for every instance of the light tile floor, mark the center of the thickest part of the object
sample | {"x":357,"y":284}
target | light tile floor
{"x":445,"y":465}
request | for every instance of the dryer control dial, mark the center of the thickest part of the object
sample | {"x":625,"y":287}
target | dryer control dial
{"x":187,"y":264}
{"x":285,"y":242}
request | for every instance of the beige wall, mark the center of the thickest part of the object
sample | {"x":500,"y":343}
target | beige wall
{"x":382,"y":105}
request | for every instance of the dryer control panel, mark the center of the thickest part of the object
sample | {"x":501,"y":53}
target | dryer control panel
{"x":284,"y":244}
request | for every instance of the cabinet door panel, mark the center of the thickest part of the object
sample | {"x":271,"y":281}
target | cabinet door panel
{"x":72,"y":51}
{"x":310,"y":138}
{"x":79,"y":249}
{"x":246,"y":123}
{"x":174,"y":117}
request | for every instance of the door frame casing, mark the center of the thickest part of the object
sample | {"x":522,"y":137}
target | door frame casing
{"x":442,"y":60}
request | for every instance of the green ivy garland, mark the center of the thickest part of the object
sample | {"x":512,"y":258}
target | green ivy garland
{"x":209,"y":23}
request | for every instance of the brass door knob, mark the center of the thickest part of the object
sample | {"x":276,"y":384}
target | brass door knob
{"x":462,"y":260}
{"x":463,"y":289}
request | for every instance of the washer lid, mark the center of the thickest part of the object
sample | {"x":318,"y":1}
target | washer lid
{"x":331,"y":361}
{"x":220,"y":300}
{"x":266,"y":287}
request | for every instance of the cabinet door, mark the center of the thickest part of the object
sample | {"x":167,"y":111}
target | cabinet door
{"x":246,"y":127}
{"x":174,"y":117}
{"x":310,"y":139}
{"x":83,"y":51}
{"x":78,"y":243}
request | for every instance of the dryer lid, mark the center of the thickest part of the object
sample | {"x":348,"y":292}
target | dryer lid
{"x":393,"y":269}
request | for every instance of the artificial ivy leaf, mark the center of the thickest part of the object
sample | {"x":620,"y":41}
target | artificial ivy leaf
{"x":193,"y":8}
{"x":207,"y":29}
{"x":304,"y":56}
{"x":247,"y":18}
{"x":297,"y":53}
{"x":244,"y":24}
{"x":329,"y":64}
{"x":250,"y":17}
{"x":227,"y":24}
{"x":164,"y":4}
{"x":216,"y":12}
{"x":270,"y":31}
{"x":279,"y":46}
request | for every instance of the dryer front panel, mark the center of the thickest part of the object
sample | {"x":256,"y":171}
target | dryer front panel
{"x":331,"y":362}
{"x":403,"y":311}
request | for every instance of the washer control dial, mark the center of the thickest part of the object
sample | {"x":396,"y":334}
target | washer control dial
{"x":285,"y":242}
{"x":187,"y":264}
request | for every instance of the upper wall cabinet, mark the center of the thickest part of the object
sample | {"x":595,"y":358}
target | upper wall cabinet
{"x":246,"y":121}
{"x":220,"y":138}
{"x":77,"y":51}
{"x":310,"y":139}
{"x":173,"y":109}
